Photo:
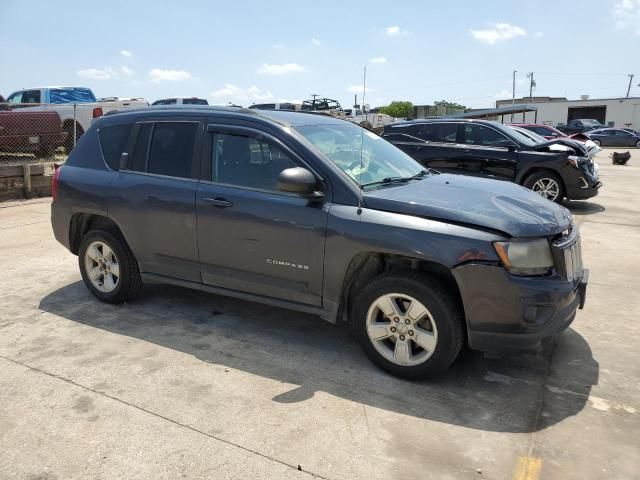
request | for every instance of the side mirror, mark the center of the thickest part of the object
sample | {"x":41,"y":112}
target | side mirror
{"x":299,"y":180}
{"x":124,"y":161}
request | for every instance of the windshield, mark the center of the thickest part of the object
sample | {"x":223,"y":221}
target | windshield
{"x":591,"y":122}
{"x":522,"y":138}
{"x":361,"y":154}
{"x":529,"y":134}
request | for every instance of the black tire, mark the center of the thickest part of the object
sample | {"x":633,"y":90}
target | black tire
{"x":597,"y":142}
{"x":68,"y":143}
{"x":129,"y":282}
{"x":531,"y":180}
{"x":441,"y":303}
{"x":638,"y":144}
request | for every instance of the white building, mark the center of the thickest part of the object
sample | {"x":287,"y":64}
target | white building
{"x":616,"y":112}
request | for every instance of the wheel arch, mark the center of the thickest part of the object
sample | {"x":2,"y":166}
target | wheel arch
{"x":82,"y":223}
{"x":365,"y":266}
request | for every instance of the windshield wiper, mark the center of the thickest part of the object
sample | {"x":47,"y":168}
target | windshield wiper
{"x":390,"y":180}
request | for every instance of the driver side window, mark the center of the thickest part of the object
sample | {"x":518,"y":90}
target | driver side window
{"x":481,"y":135}
{"x":247,"y":161}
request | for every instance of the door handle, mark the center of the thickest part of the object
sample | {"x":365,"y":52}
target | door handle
{"x":218,"y":202}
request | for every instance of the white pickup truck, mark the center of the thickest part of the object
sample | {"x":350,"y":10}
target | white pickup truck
{"x":77,"y":106}
{"x":372,"y":121}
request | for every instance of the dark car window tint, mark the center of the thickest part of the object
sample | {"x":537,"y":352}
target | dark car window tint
{"x":435,"y":132}
{"x":195,"y":101}
{"x":31,"y":96}
{"x":138,"y":160}
{"x":248,"y":162}
{"x":545,"y":132}
{"x":113,"y":141}
{"x":481,"y":135}
{"x":171,"y":150}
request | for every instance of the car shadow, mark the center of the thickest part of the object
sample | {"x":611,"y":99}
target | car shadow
{"x":584,"y":208}
{"x":501,"y":395}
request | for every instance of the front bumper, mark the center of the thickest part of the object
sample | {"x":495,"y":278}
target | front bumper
{"x":506,"y":314}
{"x":584,"y":183}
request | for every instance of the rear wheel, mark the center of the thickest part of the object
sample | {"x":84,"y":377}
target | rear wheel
{"x":108,"y":267}
{"x":408,"y":325}
{"x":638,"y":144}
{"x":547,"y":185}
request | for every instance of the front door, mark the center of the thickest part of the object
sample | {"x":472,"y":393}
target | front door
{"x":487,"y":152}
{"x":251,"y":236}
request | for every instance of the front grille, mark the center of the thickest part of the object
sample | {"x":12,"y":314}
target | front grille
{"x":567,"y":253}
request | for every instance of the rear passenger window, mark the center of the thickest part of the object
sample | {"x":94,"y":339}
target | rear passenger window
{"x":113,"y":141}
{"x":436,"y":132}
{"x":171,"y":150}
{"x":138,"y":160}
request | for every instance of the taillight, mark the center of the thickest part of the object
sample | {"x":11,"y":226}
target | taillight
{"x":97,"y":112}
{"x":54,"y":183}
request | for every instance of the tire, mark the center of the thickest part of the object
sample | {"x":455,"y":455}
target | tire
{"x":542,"y":184}
{"x":638,"y":144}
{"x":597,"y":142}
{"x":115,"y":288}
{"x":68,"y":143}
{"x":441,"y":327}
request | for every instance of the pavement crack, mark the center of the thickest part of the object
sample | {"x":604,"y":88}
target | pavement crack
{"x":162,"y":417}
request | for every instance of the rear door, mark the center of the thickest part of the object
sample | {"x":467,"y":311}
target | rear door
{"x":486,"y":153}
{"x":434,"y":145}
{"x":153,"y":199}
{"x":251,"y":236}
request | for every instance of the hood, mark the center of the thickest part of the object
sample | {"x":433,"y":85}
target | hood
{"x":574,"y":144}
{"x":489,"y":204}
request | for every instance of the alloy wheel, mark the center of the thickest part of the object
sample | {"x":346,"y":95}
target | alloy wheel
{"x":102,"y":267}
{"x":547,"y":188}
{"x":402,"y":329}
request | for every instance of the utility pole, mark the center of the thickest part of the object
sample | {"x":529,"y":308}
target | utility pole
{"x":532,"y":83}
{"x":364,"y":93}
{"x":630,"y":80}
{"x":513,"y":96}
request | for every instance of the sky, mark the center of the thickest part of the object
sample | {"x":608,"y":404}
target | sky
{"x":268,"y":51}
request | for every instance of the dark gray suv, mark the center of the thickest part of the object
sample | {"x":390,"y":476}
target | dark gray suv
{"x":318,"y":215}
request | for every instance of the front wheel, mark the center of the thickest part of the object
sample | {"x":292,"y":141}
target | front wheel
{"x":408,"y":325}
{"x":547,"y":185}
{"x":108,"y":267}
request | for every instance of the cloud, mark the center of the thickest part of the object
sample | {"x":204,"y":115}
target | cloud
{"x":538,"y":34}
{"x":159,"y":75}
{"x":395,"y":31}
{"x":126,"y":53}
{"x":499,"y":33}
{"x":284,"y":69}
{"x":627,"y":15}
{"x":106,"y":73}
{"x":235,"y":94}
{"x":358,"y":89}
{"x":503,"y":94}
{"x":378,"y":60}
{"x":315,"y":41}
{"x":126,"y":70}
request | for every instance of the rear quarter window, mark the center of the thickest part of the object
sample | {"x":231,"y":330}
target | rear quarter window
{"x":113,"y":141}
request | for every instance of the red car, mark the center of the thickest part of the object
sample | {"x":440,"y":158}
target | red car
{"x":549,"y":132}
{"x":38,"y":132}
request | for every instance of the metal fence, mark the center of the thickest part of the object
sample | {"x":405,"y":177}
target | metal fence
{"x":32,"y":133}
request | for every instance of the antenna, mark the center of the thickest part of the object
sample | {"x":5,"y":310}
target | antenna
{"x":364,"y":93}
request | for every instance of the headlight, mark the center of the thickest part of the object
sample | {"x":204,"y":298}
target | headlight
{"x":525,"y":258}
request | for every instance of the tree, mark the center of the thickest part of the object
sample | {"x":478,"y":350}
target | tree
{"x":398,"y":109}
{"x":448,"y":106}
